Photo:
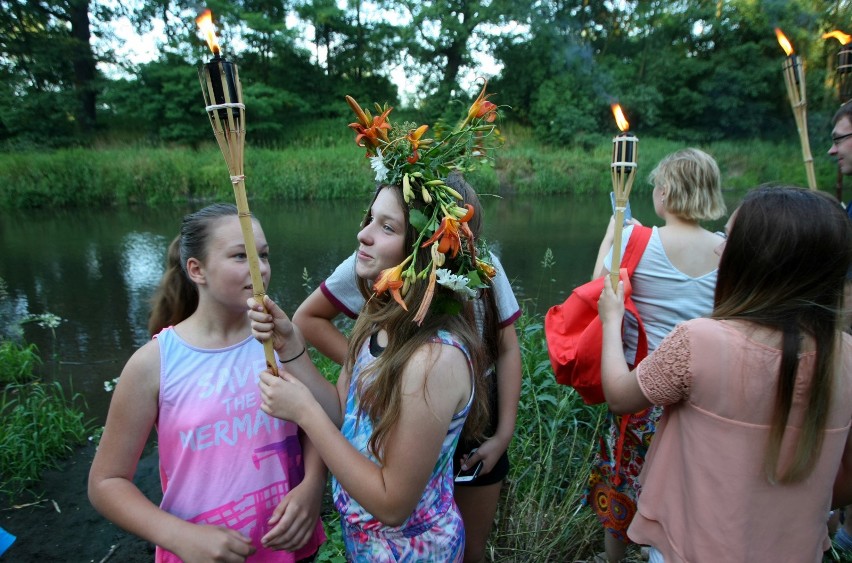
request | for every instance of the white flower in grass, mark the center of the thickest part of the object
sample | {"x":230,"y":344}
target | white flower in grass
{"x":454,"y":282}
{"x":45,"y":320}
{"x":377,"y":163}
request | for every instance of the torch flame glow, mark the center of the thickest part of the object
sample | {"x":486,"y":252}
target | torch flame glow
{"x":620,"y":120}
{"x":205,"y":25}
{"x":839,"y":35}
{"x":784,"y":42}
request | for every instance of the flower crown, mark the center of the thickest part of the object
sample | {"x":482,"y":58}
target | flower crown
{"x":401,"y":156}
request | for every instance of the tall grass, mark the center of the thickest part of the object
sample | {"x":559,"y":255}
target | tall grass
{"x":41,"y":426}
{"x":17,"y":362}
{"x":540,"y":517}
{"x":324,"y":168}
{"x":85,"y":177}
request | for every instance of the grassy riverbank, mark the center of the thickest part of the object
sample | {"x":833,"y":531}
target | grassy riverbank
{"x":324,"y":167}
{"x":539,"y":517}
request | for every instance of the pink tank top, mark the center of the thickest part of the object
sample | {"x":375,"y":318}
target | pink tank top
{"x":223,"y":461}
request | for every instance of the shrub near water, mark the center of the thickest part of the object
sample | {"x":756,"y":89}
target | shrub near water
{"x":40,"y":427}
{"x":82,"y":177}
{"x":17,"y":362}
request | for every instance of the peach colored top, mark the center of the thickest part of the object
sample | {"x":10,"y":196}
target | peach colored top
{"x":704,"y":495}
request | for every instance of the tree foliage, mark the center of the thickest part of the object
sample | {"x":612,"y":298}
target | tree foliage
{"x":690,"y":70}
{"x":48,"y":69}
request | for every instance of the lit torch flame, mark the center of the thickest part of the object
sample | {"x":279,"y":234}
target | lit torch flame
{"x":839,"y":35}
{"x":205,"y":25}
{"x":620,"y":120}
{"x":784,"y":42}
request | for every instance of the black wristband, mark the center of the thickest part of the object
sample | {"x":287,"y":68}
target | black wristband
{"x":296,"y":357}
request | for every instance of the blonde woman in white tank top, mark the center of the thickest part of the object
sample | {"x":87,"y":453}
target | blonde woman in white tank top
{"x":673,"y":282}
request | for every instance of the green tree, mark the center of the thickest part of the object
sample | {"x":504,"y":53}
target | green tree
{"x":551,"y":78}
{"x":443,"y":35}
{"x":46,"y":51}
{"x":163,"y":103}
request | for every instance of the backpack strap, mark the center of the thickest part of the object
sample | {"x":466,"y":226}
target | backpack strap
{"x":633,"y":252}
{"x":635,"y":247}
{"x":619,"y":449}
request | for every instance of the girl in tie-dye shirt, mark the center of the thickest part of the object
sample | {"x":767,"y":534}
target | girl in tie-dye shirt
{"x":407,"y":388}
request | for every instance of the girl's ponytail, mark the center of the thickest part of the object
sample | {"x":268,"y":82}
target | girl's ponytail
{"x":176,"y":297}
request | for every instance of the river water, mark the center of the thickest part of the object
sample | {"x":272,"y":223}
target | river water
{"x":96,"y":269}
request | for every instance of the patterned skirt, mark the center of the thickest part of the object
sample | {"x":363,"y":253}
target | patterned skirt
{"x":614,"y":487}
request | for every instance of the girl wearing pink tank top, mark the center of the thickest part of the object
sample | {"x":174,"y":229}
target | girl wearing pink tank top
{"x":238,"y":485}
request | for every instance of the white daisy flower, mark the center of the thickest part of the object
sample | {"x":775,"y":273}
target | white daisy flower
{"x":454,"y":282}
{"x":377,"y":163}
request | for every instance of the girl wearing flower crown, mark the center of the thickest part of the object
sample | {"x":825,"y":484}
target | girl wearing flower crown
{"x":496,"y":311}
{"x":412,"y":374}
{"x":407,"y":389}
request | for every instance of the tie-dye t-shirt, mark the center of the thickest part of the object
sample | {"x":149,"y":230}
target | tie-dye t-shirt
{"x":434,"y":531}
{"x":223,"y":461}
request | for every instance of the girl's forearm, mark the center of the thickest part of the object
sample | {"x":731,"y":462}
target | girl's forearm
{"x":324,"y":392}
{"x":613,"y":366}
{"x":508,"y":384}
{"x":122,"y":503}
{"x":362,"y":479}
{"x":620,"y":385}
{"x":315,"y":470}
{"x":324,"y":336}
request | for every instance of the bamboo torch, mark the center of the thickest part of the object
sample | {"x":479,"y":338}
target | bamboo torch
{"x":844,"y":64}
{"x":625,"y":152}
{"x":794,"y":78}
{"x":223,"y":98}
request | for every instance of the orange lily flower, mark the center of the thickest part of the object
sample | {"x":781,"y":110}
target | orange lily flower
{"x":377,"y":131}
{"x":448,"y":232}
{"x":414,"y":136}
{"x":481,"y":107}
{"x":427,"y":298}
{"x":391,"y":279}
{"x":437,"y":260}
{"x":486,"y":268}
{"x":359,"y":113}
{"x":465,"y":229}
{"x":467,"y":216}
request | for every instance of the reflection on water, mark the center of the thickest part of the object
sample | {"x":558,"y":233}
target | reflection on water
{"x":142,"y":265}
{"x":97,"y":269}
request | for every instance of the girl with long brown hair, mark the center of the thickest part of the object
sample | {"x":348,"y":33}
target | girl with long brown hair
{"x":413,"y":373}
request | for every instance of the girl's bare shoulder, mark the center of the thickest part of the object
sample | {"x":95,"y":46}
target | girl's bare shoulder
{"x":142,"y":370}
{"x":436,"y":364}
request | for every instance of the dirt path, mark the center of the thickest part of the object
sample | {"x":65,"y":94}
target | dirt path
{"x":76,"y":532}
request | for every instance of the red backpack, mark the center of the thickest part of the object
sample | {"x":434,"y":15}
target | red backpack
{"x":574,"y":332}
